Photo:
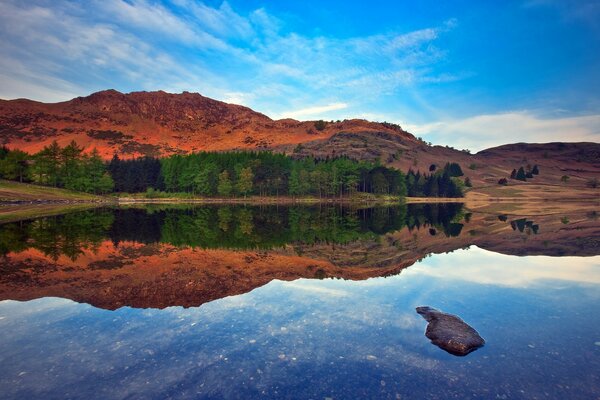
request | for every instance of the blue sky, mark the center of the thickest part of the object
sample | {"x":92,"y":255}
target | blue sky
{"x":464,"y":73}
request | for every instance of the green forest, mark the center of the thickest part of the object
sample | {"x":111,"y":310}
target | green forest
{"x":223,"y":174}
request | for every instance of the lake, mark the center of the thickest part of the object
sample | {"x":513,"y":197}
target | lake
{"x":311,"y":302}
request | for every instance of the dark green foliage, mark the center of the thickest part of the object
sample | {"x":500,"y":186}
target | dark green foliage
{"x":468,"y":182}
{"x":520,"y":174}
{"x":513,"y":174}
{"x":535,"y":170}
{"x":136,"y":175}
{"x":528,"y":175}
{"x":432,"y":168}
{"x":66,"y":167}
{"x":503,"y":181}
{"x":435,"y":185}
{"x":320,"y":125}
{"x":268,"y":174}
{"x":453,"y":169}
{"x":14,"y":164}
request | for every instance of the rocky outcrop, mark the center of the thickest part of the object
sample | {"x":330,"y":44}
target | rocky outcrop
{"x":449,"y":332}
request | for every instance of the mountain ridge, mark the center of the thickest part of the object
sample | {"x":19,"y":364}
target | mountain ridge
{"x":162,"y":124}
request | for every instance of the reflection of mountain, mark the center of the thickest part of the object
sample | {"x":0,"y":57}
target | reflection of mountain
{"x":113,"y":258}
{"x":158,"y":275}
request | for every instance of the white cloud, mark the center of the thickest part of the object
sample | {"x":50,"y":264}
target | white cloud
{"x":240,"y":98}
{"x":312,"y":112}
{"x":484,"y":131}
{"x":315,"y":288}
{"x":147,"y":45}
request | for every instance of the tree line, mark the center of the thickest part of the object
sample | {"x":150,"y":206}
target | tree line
{"x":224,"y":174}
{"x":244,"y":173}
{"x":64,"y":167}
{"x":443,"y":183}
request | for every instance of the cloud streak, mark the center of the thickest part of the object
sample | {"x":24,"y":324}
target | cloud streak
{"x":483,"y":131}
{"x":313,"y":112}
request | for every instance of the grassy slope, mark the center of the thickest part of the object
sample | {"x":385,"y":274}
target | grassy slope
{"x":14,"y":191}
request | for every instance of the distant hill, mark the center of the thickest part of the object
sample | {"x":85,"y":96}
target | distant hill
{"x":161,"y":124}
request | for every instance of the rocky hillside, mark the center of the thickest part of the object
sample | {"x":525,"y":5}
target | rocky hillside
{"x":159,"y":124}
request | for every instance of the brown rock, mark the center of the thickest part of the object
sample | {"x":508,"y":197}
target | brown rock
{"x":450,"y":332}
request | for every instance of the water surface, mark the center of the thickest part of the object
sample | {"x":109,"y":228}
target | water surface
{"x":297,"y":302}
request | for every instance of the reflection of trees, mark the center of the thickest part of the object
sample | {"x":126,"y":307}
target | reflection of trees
{"x":233,"y":227}
{"x":67,"y":234}
{"x":445,"y":216}
{"x":224,"y":218}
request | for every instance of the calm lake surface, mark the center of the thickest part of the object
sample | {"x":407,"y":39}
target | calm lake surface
{"x":297,"y":302}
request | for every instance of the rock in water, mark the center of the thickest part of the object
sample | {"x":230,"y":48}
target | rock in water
{"x":450,"y":332}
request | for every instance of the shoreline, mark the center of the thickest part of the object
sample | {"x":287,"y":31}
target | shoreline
{"x":249,"y":200}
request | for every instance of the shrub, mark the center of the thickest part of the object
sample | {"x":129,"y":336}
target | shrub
{"x":535,"y":170}
{"x":473,"y":166}
{"x":564,"y":178}
{"x":453,"y":169}
{"x":592,"y":183}
{"x":503,"y":182}
{"x":320,"y":125}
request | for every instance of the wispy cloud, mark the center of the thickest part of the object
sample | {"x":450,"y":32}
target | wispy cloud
{"x":313,"y":112}
{"x":139,"y":44}
{"x":483,"y":131}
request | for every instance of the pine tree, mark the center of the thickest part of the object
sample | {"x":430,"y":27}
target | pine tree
{"x":224,"y":187}
{"x":71,"y":160}
{"x":535,"y":170}
{"x":294,"y":182}
{"x":14,"y":165}
{"x":205,"y":180}
{"x":380,"y":184}
{"x":245,"y":179}
{"x":521,"y":174}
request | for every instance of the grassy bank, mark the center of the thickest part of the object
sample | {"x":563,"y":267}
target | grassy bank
{"x":14,"y":192}
{"x":189,"y":198}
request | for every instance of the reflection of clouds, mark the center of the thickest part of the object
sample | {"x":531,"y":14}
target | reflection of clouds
{"x":485,"y":267}
{"x":346,"y":332}
{"x":25,"y":308}
{"x":315,"y":288}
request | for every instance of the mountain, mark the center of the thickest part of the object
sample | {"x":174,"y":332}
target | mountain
{"x":160,"y":124}
{"x":157,"y":123}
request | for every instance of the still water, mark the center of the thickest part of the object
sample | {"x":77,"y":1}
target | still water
{"x":297,"y":302}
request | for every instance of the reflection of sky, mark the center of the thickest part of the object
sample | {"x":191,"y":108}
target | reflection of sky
{"x":485,"y":267}
{"x":328,"y":338}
